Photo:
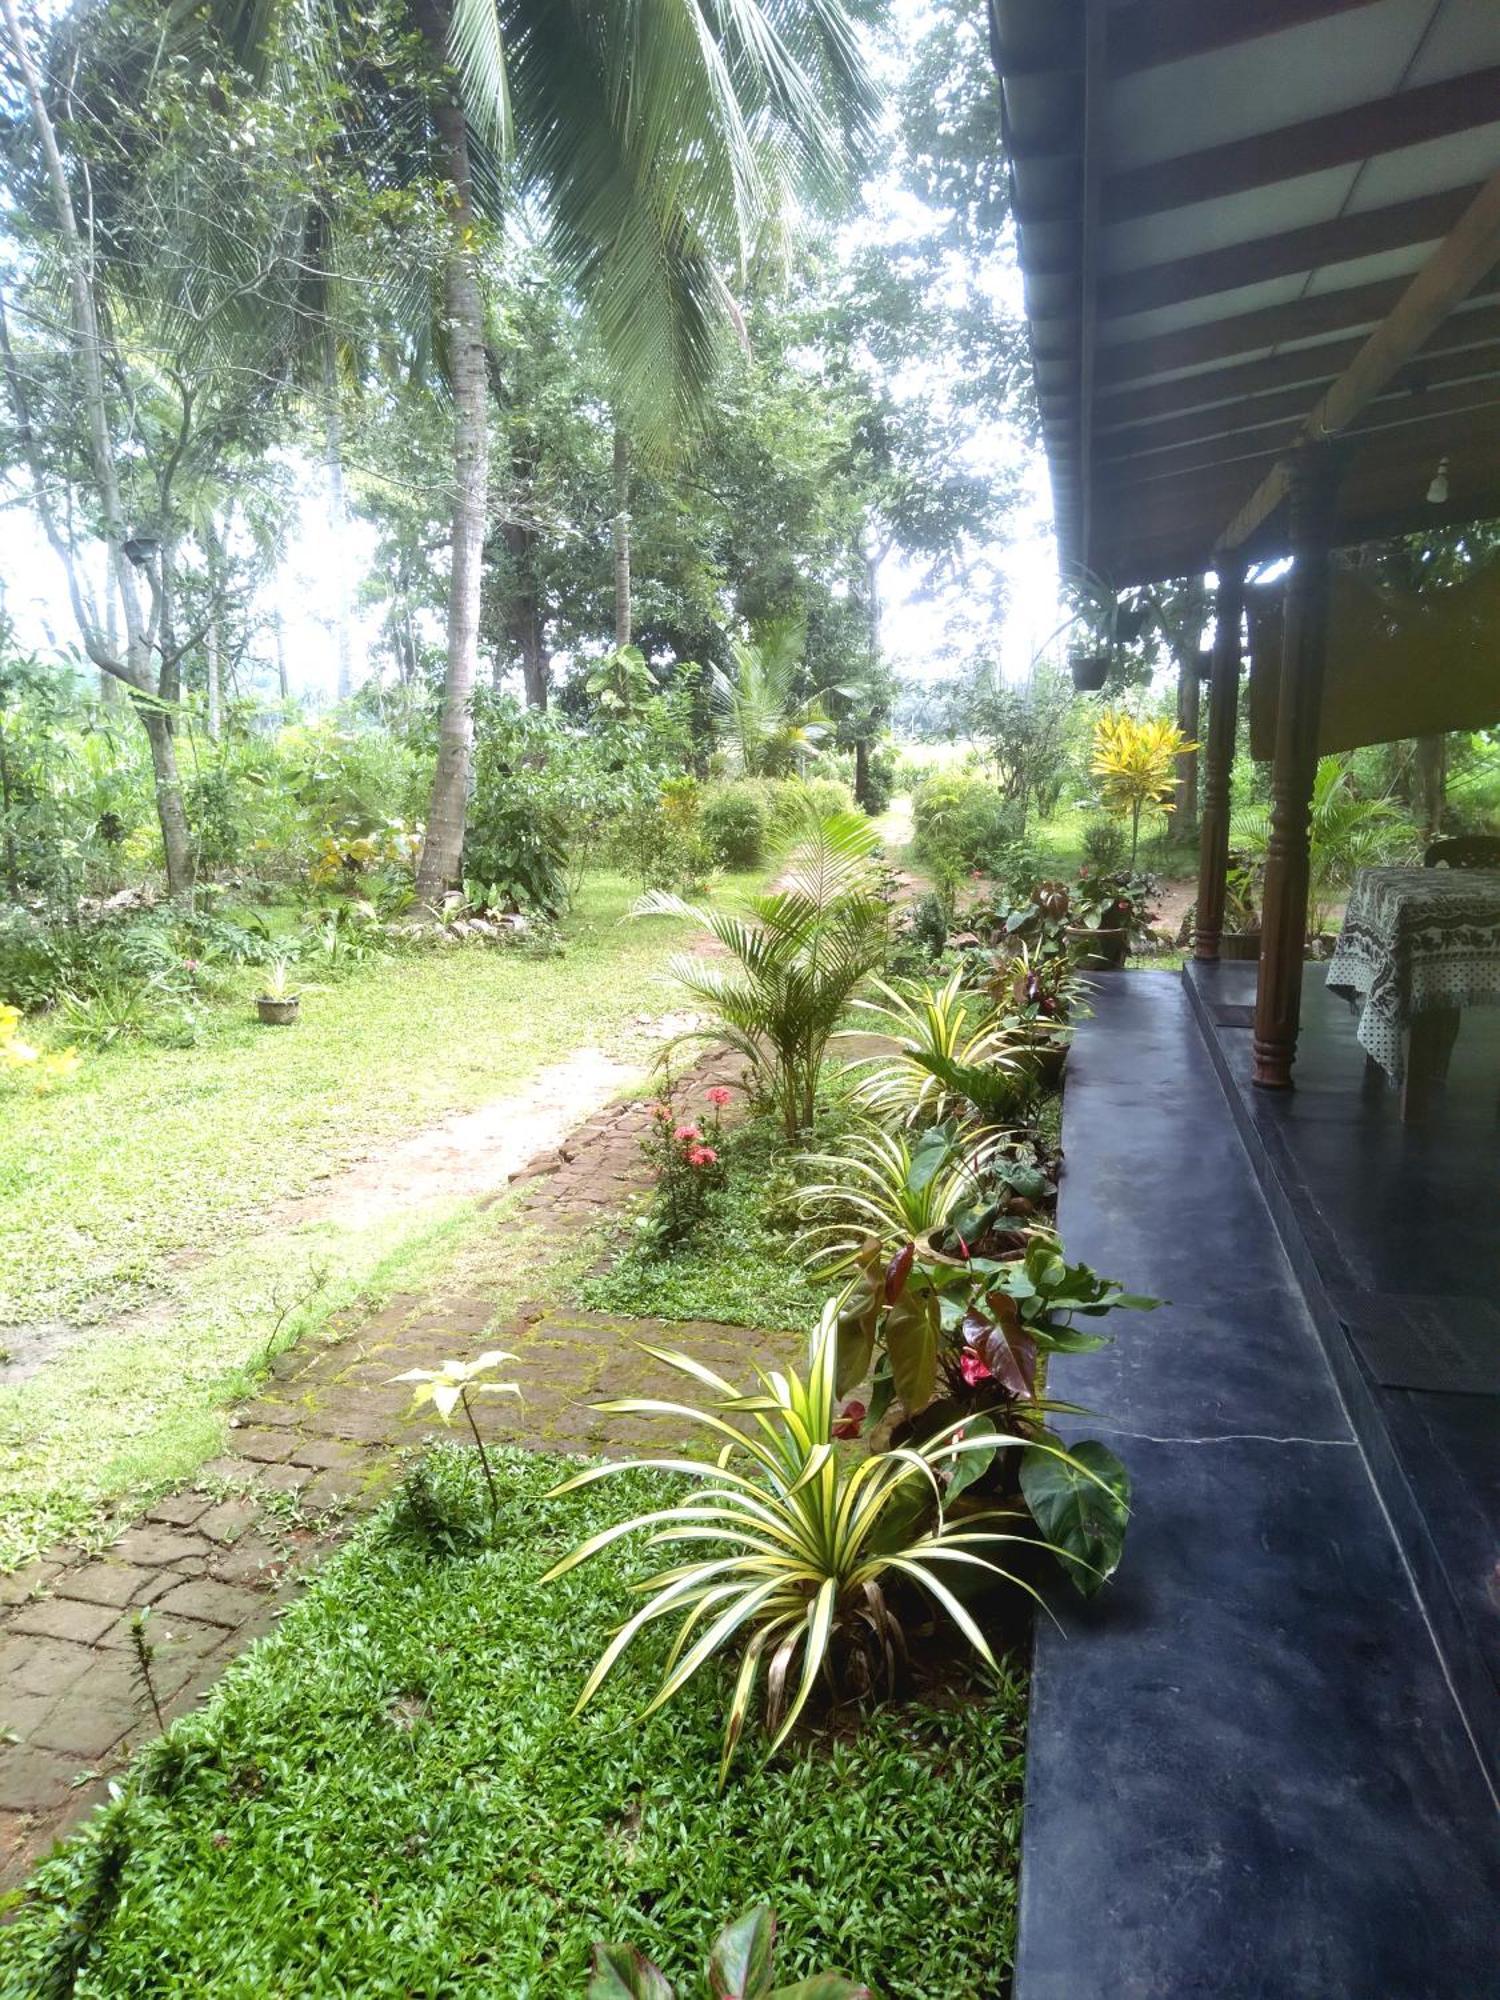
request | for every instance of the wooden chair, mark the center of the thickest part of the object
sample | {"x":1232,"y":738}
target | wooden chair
{"x":1464,"y":850}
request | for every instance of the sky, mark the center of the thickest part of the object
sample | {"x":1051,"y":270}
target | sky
{"x":33,"y":595}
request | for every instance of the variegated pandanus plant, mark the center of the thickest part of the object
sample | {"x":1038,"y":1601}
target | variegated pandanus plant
{"x":739,"y":1968}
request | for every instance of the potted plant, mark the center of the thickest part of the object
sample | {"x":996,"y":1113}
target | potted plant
{"x":1240,"y":937}
{"x":1089,"y":670}
{"x":1100,"y":937}
{"x":276,"y":1003}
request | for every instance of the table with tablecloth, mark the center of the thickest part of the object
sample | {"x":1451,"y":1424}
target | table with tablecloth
{"x":1416,"y":941}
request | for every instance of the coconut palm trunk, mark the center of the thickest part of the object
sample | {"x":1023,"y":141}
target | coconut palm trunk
{"x":621,"y":537}
{"x":442,"y":850}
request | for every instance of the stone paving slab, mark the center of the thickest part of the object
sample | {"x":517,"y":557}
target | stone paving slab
{"x":321,"y":1444}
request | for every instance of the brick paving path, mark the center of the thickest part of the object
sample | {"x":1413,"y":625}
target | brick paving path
{"x":321,"y":1444}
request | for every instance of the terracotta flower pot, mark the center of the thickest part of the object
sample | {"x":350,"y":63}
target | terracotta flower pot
{"x":278,"y":1013}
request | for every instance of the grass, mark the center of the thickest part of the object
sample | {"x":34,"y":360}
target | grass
{"x":389,"y":1797}
{"x":146,"y":1181}
{"x":736,"y":1269}
{"x":150,"y":1152}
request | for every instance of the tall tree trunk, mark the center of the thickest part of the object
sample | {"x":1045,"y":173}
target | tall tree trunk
{"x":135,"y":669}
{"x":214,"y":662}
{"x":110,"y":689}
{"x":442,"y":850}
{"x":12,"y":872}
{"x":214,"y":637}
{"x":622,"y":537}
{"x":338,"y":516}
{"x":278,"y":631}
{"x":176,"y":836}
{"x":1185,"y":816}
{"x":1432,"y":782}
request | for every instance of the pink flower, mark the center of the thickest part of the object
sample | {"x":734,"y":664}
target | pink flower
{"x":686,"y":1132}
{"x":662,"y":1113}
{"x":971,"y":1366}
{"x":701,"y":1156}
{"x":719,"y":1096}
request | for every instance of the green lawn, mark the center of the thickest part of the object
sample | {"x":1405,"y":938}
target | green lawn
{"x":143,"y":1181}
{"x":389,"y":1797}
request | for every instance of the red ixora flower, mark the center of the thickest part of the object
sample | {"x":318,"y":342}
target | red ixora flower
{"x":662,"y":1113}
{"x":719,"y":1096}
{"x":972,"y":1367}
{"x":701,"y":1156}
{"x":850,"y":1421}
{"x":686,"y":1132}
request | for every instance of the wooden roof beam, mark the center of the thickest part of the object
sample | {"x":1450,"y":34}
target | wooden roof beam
{"x":1306,"y":367}
{"x":1366,"y":233}
{"x":1465,"y":257}
{"x":1337,"y":139}
{"x":1414,"y":387}
{"x":1245,"y":334}
{"x":1148,"y":33}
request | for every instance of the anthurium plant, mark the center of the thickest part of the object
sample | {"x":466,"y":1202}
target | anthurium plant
{"x":952,"y":1336}
{"x":739,"y":1968}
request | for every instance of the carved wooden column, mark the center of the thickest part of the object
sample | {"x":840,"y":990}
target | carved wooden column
{"x":1218,"y":757}
{"x":1313,"y":488}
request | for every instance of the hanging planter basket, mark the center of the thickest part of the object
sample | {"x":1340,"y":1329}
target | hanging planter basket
{"x":1090,"y":671}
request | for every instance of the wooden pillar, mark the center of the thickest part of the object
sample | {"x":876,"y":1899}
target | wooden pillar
{"x":1313,"y":486}
{"x":1218,"y":758}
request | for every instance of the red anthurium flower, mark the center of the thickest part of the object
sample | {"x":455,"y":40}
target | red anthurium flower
{"x":973,"y":1368}
{"x":897,"y":1272}
{"x":850,"y":1421}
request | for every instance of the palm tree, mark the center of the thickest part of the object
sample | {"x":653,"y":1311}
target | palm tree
{"x":795,"y":964}
{"x":656,"y":140}
{"x":1348,"y":830}
{"x":769,"y":727}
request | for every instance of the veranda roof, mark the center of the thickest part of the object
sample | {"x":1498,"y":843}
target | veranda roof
{"x":1219,"y":204}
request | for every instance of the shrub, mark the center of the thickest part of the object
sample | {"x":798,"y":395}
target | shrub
{"x":736,"y":823}
{"x":962,"y":825}
{"x":880,"y":780}
{"x":687,"y":1160}
{"x":1105,"y":847}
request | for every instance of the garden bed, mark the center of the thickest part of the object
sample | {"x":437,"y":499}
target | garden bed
{"x":390,"y":1796}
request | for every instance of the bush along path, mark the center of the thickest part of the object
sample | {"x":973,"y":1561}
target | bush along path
{"x":98,"y":1654}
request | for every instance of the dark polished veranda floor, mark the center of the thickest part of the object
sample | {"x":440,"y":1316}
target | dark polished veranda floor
{"x":1249,"y":1770}
{"x":1395,"y":1230}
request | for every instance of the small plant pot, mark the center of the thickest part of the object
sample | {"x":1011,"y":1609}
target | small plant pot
{"x":1099,"y":951}
{"x":278,"y":1013}
{"x":1045,"y":1059}
{"x":1239,"y":945}
{"x":1090,"y":671}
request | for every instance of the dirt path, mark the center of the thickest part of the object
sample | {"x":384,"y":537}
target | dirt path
{"x":466,"y":1156}
{"x":215,"y":1560}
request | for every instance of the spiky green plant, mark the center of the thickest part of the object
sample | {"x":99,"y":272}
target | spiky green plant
{"x":888,"y":1186}
{"x":799,"y":1542}
{"x":795,"y":960}
{"x":937,"y":1039}
{"x":1348,"y":831}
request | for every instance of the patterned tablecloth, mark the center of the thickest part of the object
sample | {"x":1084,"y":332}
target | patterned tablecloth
{"x":1414,"y":939}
